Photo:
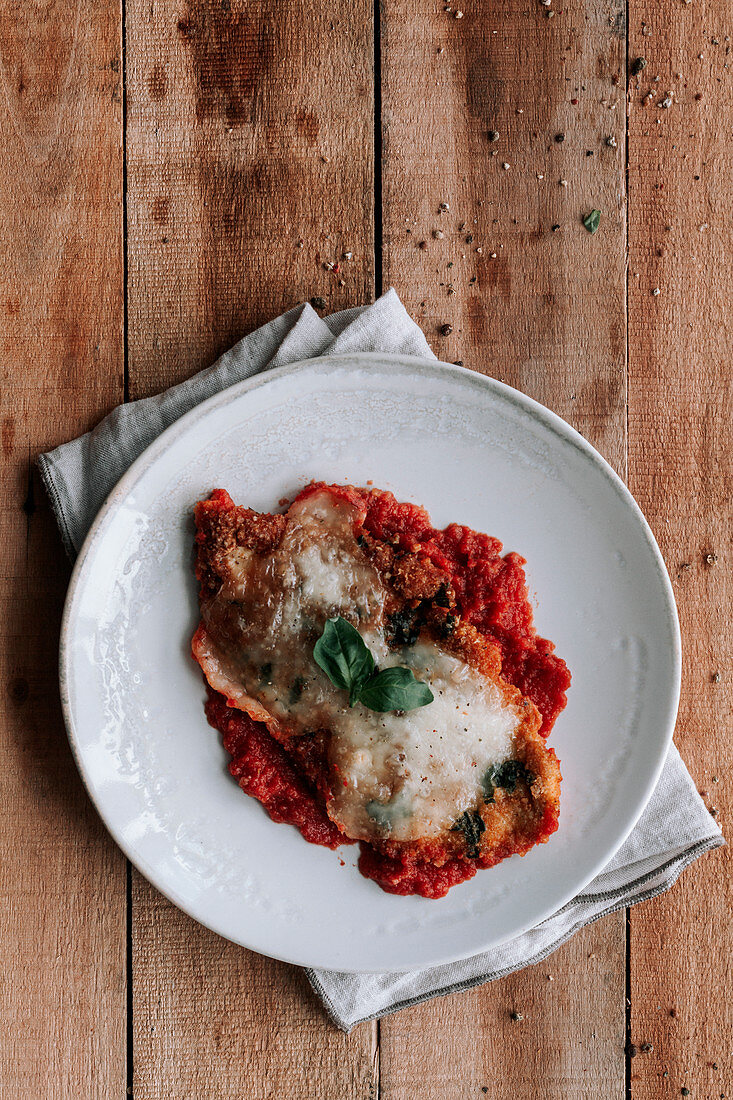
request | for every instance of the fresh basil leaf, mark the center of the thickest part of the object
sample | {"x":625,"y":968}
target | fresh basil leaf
{"x":592,"y":221}
{"x":395,"y":689}
{"x":471,"y":824}
{"x":344,"y":656}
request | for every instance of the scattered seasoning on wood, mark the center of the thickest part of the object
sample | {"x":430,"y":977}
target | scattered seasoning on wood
{"x":632,"y":1050}
{"x":559,"y":138}
{"x":638,"y":66}
{"x":611,"y":142}
{"x":423,"y":245}
{"x":506,"y":166}
{"x":711,"y":558}
{"x":469,"y":238}
{"x":484,"y":1088}
{"x":493,"y":135}
{"x":444,"y":207}
{"x":716,"y":677}
{"x":517,"y":1017}
{"x":446,"y":330}
{"x":646,"y":1048}
{"x":555,"y":228}
{"x":684,"y":1091}
{"x":318,"y":303}
{"x":346,"y":255}
{"x":666,"y":102}
{"x":592,"y":221}
{"x":438,"y":234}
{"x":656,"y":292}
{"x":673,"y":1013}
{"x":563,"y":183}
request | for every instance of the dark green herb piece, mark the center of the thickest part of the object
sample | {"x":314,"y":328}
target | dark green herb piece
{"x":297,"y":689}
{"x":440,"y":599}
{"x":345,"y":658}
{"x":266,"y":674}
{"x":471,"y":824}
{"x":381,"y":813}
{"x":403,"y":627}
{"x":505,"y":775}
{"x":341,"y":653}
{"x":592,"y":221}
{"x":448,"y":625}
{"x":638,"y":66}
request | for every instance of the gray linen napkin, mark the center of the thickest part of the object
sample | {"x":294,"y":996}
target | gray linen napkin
{"x":674,"y":829}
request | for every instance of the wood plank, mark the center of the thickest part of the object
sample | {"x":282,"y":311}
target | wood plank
{"x":249,"y":132}
{"x":680,"y":418}
{"x":62,"y":881}
{"x":543,"y":310}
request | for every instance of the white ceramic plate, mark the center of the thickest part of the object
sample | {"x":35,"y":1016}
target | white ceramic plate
{"x":469,"y":449}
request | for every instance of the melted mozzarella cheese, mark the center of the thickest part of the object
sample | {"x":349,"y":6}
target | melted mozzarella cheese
{"x":399,"y":776}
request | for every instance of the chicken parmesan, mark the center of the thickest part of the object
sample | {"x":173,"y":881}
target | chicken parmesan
{"x":378,"y":681}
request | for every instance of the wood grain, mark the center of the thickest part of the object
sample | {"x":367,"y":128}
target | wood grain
{"x":213,"y":1020}
{"x":62,"y":916}
{"x":542,"y":308}
{"x":680,"y":422}
{"x":250,"y":166}
{"x":249,"y":134}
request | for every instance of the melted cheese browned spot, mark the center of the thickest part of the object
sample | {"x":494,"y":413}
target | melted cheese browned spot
{"x":401,"y":777}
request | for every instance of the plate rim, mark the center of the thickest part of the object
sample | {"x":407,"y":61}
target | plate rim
{"x":420,"y":365}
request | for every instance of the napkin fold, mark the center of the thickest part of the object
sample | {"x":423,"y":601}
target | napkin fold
{"x":675,"y":827}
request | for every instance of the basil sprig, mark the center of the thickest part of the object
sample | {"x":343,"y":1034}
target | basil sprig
{"x":347,"y":661}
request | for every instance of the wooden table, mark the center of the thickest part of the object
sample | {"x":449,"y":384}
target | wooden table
{"x":176,"y":172}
